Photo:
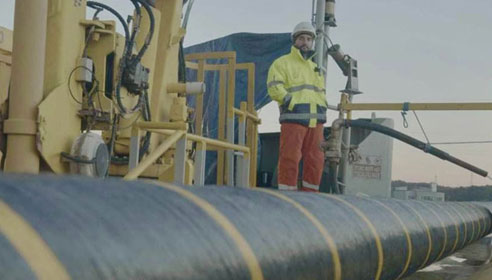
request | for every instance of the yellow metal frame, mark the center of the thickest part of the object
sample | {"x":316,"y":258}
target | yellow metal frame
{"x":346,"y":106}
{"x":174,"y":131}
{"x":226,"y":105}
{"x":5,"y":73}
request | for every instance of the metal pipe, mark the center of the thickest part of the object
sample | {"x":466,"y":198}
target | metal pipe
{"x":152,"y":157}
{"x":209,"y":141}
{"x":184,"y":24}
{"x":416,"y":143}
{"x":333,"y":155}
{"x":345,"y":146}
{"x":169,"y":232}
{"x":163,"y":125}
{"x":320,"y":29}
{"x":28,"y":55}
{"x":407,"y":106}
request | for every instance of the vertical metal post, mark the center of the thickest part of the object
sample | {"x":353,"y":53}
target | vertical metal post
{"x":28,"y":59}
{"x":134,"y":148}
{"x":251,"y":125}
{"x":241,"y":162}
{"x":320,"y":29}
{"x":199,"y":99}
{"x":230,"y":153}
{"x":245,"y":170}
{"x":222,"y":125}
{"x":200,"y":157}
{"x":231,"y":83}
{"x":180,"y":160}
{"x":345,"y":147}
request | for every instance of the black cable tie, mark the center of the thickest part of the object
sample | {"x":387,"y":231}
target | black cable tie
{"x":427,"y":147}
{"x":77,"y":159}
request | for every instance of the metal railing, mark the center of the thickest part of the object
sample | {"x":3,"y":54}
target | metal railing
{"x":239,"y":160}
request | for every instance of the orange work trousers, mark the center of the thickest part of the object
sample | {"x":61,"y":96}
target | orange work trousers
{"x":296,"y":142}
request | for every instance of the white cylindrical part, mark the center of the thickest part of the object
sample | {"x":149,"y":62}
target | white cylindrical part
{"x":330,"y":9}
{"x":195,"y":88}
{"x":28,"y":57}
{"x":319,"y":25}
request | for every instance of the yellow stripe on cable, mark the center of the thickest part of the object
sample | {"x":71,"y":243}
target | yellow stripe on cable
{"x":455,"y":225}
{"x":464,"y":224}
{"x":379,"y":246}
{"x":429,"y":238}
{"x":443,"y":227}
{"x":472,"y":222}
{"x":241,"y":243}
{"x":481,"y":231}
{"x":326,"y":236}
{"x":30,"y":245}
{"x":407,"y":235}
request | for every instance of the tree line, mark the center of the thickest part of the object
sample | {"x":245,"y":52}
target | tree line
{"x":464,"y":193}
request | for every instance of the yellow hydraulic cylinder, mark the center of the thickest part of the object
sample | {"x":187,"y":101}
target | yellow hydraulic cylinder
{"x":26,"y":86}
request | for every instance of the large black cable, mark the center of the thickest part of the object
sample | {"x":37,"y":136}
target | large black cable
{"x":150,"y":35}
{"x":146,"y":141}
{"x":96,"y":5}
{"x":136,"y":24}
{"x":414,"y":142}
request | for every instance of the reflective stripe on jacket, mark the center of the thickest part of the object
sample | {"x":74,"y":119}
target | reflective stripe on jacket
{"x":298,"y":88}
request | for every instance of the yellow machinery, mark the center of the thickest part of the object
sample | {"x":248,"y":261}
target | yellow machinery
{"x":88,"y":78}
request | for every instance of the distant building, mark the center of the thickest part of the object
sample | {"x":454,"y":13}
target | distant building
{"x":419,"y":194}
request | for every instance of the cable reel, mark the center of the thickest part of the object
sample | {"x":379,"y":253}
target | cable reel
{"x":89,"y":156}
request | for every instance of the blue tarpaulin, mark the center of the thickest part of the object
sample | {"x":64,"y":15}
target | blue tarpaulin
{"x":260,"y":49}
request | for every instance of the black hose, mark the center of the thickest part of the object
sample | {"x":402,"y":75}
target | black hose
{"x":182,"y":64}
{"x":123,"y":160}
{"x":136,"y":25}
{"x":96,"y":5}
{"x":416,"y":143}
{"x":333,"y":178}
{"x":151,"y":29}
{"x":77,"y":159}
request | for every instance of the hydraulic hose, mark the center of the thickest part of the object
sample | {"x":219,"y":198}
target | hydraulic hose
{"x":416,"y":143}
{"x":148,"y":39}
{"x":136,"y":24}
{"x":97,"y":5}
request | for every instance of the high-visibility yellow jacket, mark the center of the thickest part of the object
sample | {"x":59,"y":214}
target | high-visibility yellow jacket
{"x":299,"y":88}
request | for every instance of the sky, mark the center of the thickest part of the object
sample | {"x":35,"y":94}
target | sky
{"x":408,"y":51}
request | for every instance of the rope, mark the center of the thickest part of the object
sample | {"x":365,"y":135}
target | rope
{"x":405,"y":122}
{"x":464,"y":142}
{"x":421,"y":127}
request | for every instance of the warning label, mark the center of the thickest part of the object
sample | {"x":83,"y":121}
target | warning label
{"x":368,"y":167}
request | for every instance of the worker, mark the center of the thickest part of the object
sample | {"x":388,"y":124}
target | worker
{"x":297,"y":84}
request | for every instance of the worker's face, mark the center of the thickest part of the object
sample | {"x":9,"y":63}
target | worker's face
{"x":304,"y":42}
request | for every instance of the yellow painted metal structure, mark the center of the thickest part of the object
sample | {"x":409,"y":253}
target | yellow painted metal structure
{"x":347,"y":106}
{"x":5,"y":71}
{"x":227,"y":109}
{"x":416,"y":106}
{"x":62,"y":111}
{"x":26,"y":86}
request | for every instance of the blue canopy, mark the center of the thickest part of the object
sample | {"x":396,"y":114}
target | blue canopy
{"x":260,"y":49}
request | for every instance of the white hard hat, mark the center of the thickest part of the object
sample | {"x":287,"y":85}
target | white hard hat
{"x":303,"y":27}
